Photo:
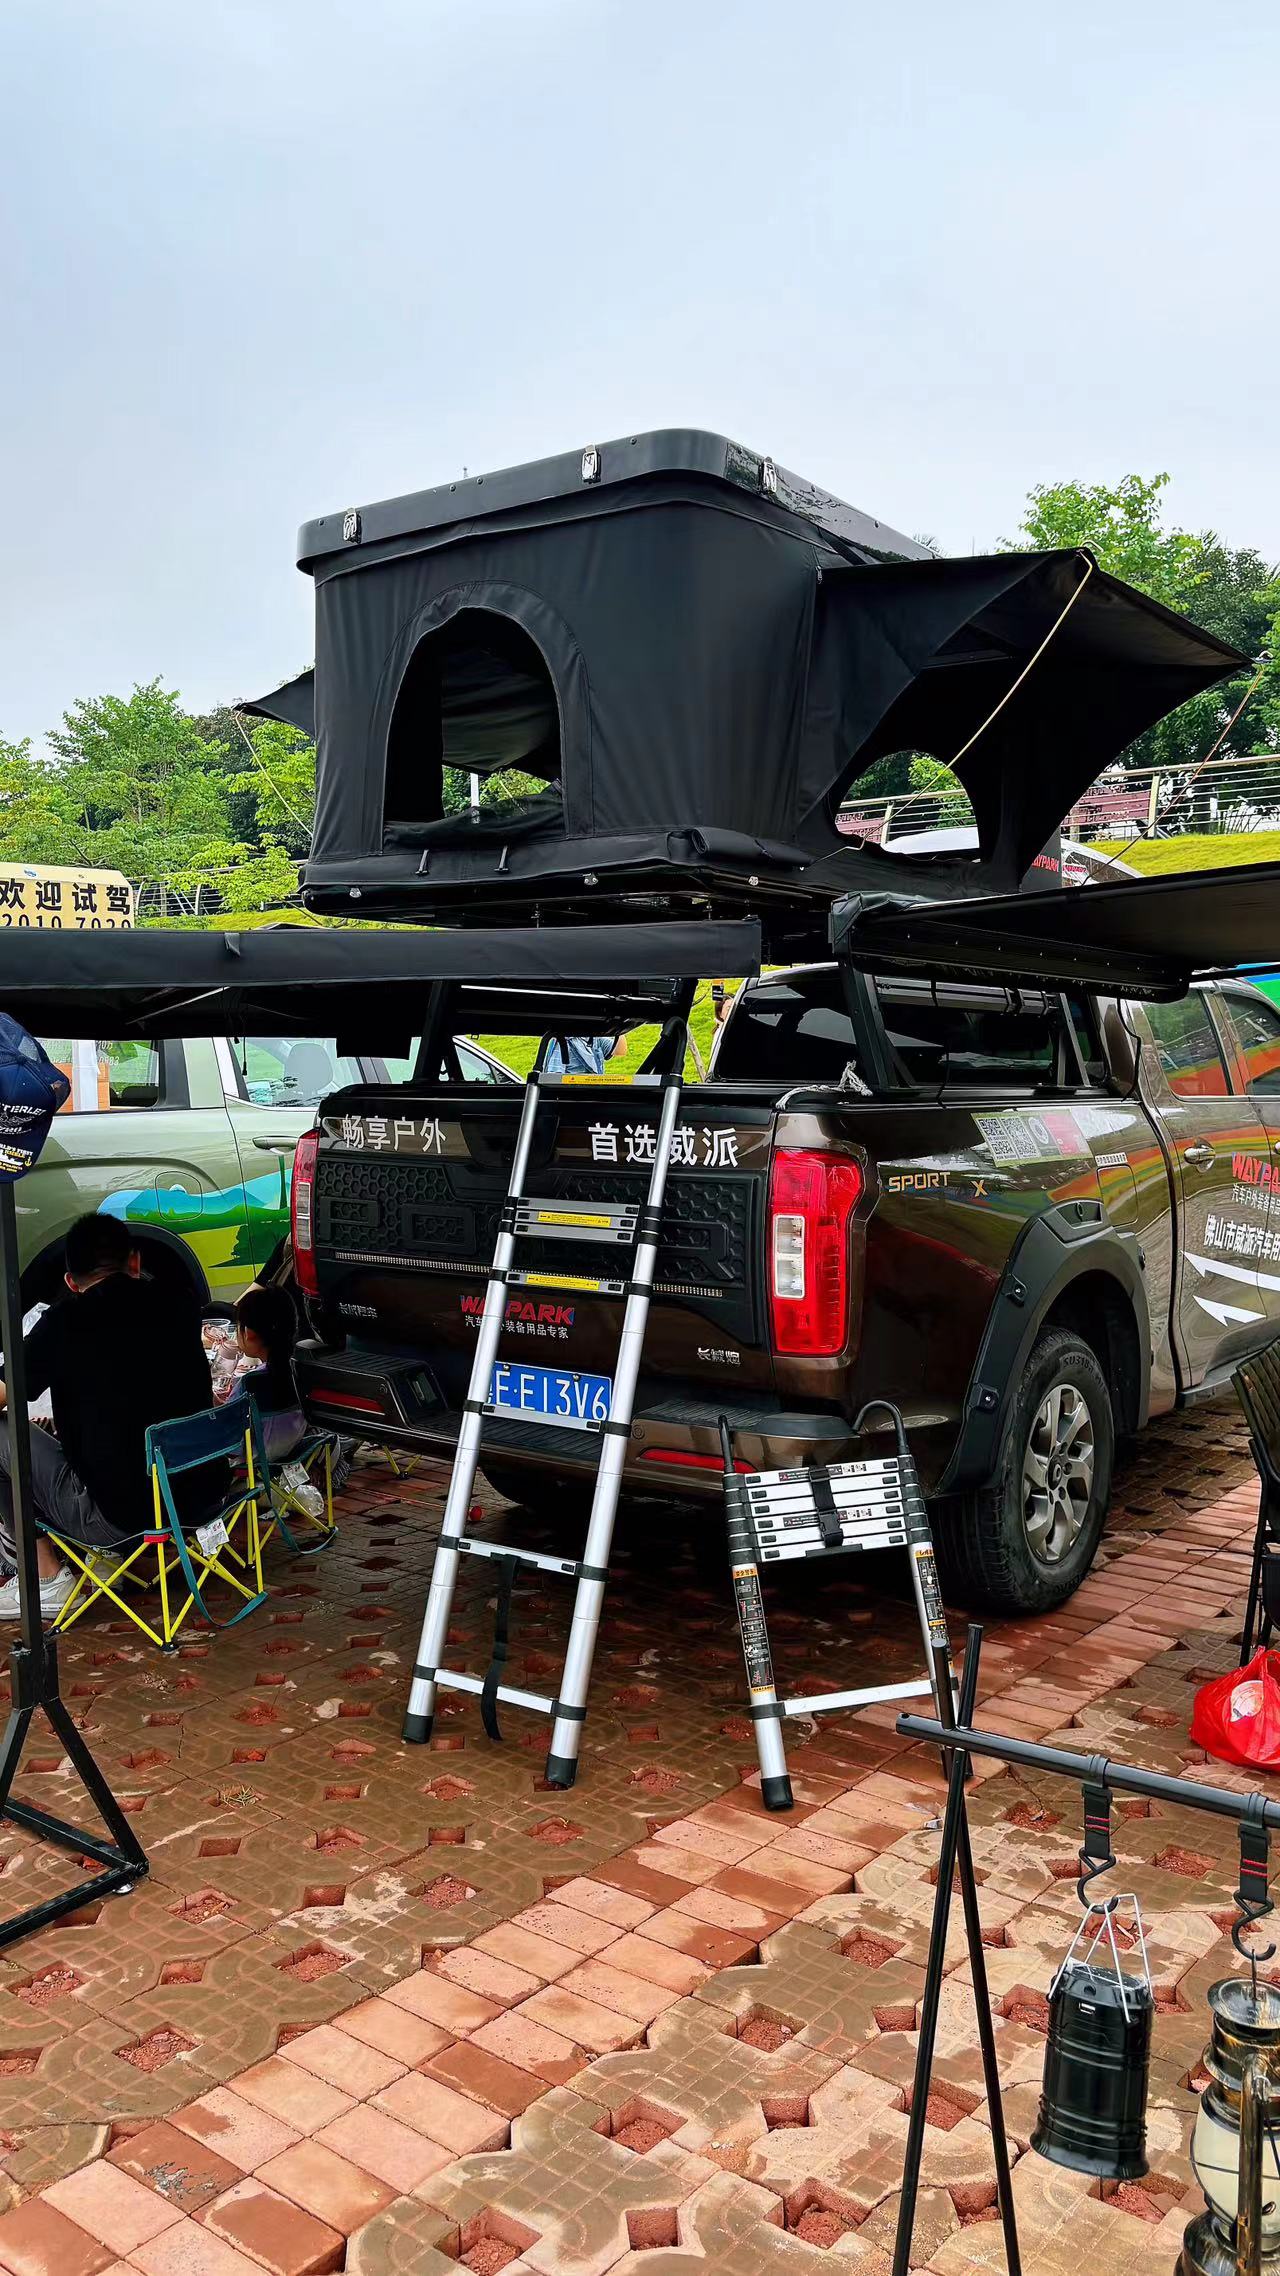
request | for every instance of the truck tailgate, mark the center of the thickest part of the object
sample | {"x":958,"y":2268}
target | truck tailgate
{"x":408,"y":1190}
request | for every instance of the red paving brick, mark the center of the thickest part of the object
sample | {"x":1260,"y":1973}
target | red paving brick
{"x":360,"y":2054}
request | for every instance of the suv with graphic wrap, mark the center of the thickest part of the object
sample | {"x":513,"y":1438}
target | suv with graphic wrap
{"x":191,"y":1143}
{"x":1030,"y":1219}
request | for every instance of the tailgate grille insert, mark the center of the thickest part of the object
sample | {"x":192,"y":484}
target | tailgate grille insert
{"x":380,"y":1211}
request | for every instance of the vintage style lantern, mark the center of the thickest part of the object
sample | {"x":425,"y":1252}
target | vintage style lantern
{"x":1093,"y":2106}
{"x":1234,"y":2147}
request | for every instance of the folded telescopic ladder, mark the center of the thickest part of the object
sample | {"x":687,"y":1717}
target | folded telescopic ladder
{"x":775,"y":1516}
{"x":626,"y":1226}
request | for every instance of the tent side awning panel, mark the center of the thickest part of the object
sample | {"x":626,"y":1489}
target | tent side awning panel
{"x":1148,"y":937}
{"x":304,"y":980}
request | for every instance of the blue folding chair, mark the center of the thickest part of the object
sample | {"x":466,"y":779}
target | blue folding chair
{"x":195,"y":1550}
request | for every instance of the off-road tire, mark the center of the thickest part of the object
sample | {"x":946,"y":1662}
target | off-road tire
{"x":987,"y":1560}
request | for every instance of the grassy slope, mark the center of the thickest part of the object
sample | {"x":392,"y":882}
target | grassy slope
{"x":1158,"y":857}
{"x":518,"y":1050}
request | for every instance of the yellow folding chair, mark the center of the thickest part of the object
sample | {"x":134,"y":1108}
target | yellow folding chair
{"x":316,"y":1456}
{"x":174,"y":1550}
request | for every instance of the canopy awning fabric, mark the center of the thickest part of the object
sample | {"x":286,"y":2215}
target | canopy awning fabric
{"x":313,"y":980}
{"x":1139,"y":937}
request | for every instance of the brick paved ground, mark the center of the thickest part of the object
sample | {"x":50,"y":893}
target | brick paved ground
{"x":394,"y":2010}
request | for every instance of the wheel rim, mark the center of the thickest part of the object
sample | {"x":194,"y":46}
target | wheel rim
{"x":1057,"y":1474}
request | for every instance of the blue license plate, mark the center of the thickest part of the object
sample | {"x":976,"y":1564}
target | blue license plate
{"x":553,"y":1394}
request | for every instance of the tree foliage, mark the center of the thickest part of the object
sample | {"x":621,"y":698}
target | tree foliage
{"x":1229,"y":591}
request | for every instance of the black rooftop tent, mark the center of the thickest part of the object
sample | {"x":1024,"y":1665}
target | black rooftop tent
{"x":691,"y":654}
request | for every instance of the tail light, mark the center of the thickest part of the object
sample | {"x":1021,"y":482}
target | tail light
{"x":812,"y":1198}
{"x":674,"y":1458}
{"x":302,"y":1212}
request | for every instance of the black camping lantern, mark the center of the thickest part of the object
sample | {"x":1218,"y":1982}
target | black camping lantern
{"x":1093,"y":2107}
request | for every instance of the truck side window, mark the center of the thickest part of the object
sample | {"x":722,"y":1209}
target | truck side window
{"x":106,"y":1075}
{"x":1187,"y":1045}
{"x":1257,"y":1026}
{"x":794,"y":1028}
{"x":971,"y":1037}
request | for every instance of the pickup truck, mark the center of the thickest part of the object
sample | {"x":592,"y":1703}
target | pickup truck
{"x":1031,"y":1219}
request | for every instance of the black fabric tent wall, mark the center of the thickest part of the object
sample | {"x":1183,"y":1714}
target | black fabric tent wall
{"x":696,"y":665}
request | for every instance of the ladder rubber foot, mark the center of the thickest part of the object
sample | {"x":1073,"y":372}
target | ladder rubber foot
{"x":562,"y":1769}
{"x":776,"y":1793}
{"x":417,"y":1730}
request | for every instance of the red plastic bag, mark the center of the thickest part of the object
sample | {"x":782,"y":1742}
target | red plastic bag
{"x":1237,"y":1716}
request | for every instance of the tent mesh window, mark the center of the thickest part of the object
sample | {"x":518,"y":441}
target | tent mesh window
{"x":478,"y":699}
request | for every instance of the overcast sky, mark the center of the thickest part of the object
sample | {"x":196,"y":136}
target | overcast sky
{"x":264,"y":258}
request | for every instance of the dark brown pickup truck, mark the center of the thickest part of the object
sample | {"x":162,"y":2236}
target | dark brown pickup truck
{"x":1031,"y":1220}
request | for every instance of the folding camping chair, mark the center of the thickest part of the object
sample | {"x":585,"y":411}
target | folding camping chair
{"x":1257,"y":1387}
{"x":173,"y":1547}
{"x":316,"y":1456}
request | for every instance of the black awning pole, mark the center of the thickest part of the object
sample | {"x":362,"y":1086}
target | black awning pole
{"x":33,"y":1661}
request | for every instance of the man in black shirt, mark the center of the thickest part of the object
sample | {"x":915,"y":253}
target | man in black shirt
{"x":117,"y":1353}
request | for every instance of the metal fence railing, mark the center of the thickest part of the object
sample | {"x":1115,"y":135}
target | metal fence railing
{"x":1213,"y":799}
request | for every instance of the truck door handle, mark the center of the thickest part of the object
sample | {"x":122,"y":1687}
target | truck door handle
{"x":275,"y":1145}
{"x":1199,"y":1154}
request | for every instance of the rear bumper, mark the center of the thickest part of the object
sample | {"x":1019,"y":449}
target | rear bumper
{"x":675,"y":1442}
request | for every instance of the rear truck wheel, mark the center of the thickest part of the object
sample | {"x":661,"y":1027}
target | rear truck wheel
{"x":1025,"y":1543}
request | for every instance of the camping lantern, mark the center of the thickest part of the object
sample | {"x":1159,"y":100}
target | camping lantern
{"x":1234,"y":2146}
{"x":1093,"y":2107}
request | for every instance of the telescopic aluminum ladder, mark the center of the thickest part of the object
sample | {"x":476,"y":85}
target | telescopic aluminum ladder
{"x":776,"y":1516}
{"x":618,"y":1225}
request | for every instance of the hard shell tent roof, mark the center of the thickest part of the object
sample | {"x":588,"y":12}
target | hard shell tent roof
{"x":693,"y":654}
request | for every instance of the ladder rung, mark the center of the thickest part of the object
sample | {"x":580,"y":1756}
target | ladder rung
{"x":577,"y":1283}
{"x":776,"y":1549}
{"x":606,"y":1082}
{"x":566,"y":1565}
{"x":827,"y":1702}
{"x":876,"y":1471}
{"x":449,"y":1681}
{"x":565,"y":1221}
{"x":784,"y":1501}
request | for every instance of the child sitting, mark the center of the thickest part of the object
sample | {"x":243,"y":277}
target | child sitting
{"x":266,"y":1331}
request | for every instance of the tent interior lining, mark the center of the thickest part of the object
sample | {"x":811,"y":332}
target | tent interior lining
{"x":476,"y":696}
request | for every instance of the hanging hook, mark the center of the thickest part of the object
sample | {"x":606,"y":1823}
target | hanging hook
{"x":1253,"y":1895}
{"x":1096,"y":1854}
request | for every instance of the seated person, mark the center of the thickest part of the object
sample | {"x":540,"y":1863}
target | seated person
{"x":266,"y":1331}
{"x":117,"y":1353}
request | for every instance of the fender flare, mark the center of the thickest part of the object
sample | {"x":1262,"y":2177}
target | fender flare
{"x":1054,"y":1249}
{"x":147,"y":1236}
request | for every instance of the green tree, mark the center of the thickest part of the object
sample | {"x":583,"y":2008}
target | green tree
{"x":149,"y":797}
{"x":1231,"y":592}
{"x":37,"y":822}
{"x":1121,"y":526}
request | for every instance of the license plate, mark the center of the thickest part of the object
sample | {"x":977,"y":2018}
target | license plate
{"x":552,"y":1394}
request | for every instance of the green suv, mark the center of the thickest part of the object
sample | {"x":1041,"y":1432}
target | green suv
{"x":191,"y":1143}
